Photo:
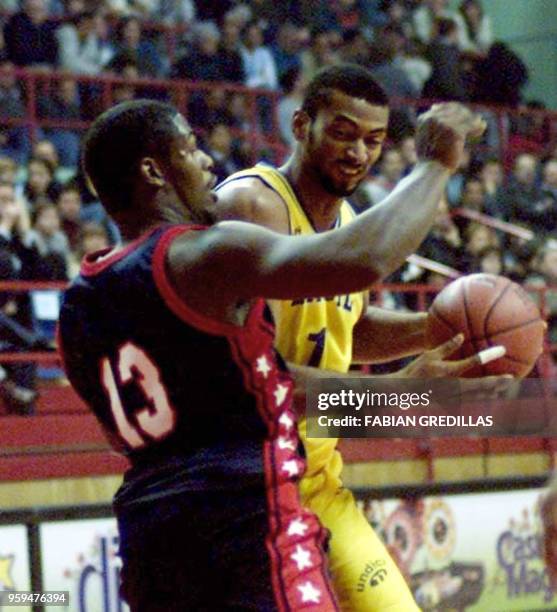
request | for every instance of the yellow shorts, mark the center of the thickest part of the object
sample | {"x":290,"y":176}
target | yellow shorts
{"x":365,"y":577}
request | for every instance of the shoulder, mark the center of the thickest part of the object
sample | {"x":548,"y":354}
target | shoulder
{"x":250,"y":199}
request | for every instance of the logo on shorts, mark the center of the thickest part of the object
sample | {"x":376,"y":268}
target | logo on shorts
{"x":373,"y":575}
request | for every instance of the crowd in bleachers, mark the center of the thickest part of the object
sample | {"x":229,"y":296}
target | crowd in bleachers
{"x":418,"y":50}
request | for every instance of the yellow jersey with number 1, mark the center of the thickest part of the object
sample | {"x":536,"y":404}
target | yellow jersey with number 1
{"x":316,"y":331}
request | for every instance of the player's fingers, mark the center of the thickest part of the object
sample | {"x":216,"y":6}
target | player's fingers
{"x":482,"y":358}
{"x":447,"y":348}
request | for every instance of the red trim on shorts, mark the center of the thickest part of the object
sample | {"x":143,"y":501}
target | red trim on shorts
{"x":177,"y":305}
{"x":283,"y":498}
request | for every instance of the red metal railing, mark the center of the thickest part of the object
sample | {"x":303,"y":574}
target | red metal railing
{"x":37,"y":82}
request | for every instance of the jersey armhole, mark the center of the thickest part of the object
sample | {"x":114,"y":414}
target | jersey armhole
{"x":177,"y":305}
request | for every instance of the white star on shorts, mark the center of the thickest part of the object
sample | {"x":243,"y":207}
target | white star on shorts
{"x":309,"y":593}
{"x":286,"y":444}
{"x":302,"y":557}
{"x":297,"y":527}
{"x":286,"y":421}
{"x":263,"y":366}
{"x":291,"y":467}
{"x":280,"y":394}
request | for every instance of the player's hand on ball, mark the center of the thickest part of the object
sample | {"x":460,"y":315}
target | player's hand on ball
{"x":434,"y":363}
{"x":443,"y":130}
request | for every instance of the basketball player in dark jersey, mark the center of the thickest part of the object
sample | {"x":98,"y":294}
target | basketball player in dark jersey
{"x":169,"y":342}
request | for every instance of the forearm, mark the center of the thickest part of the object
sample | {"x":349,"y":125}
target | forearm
{"x":379,"y":241}
{"x":384,"y":335}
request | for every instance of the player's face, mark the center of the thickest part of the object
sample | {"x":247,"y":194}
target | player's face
{"x":190,"y":172}
{"x":344,"y":141}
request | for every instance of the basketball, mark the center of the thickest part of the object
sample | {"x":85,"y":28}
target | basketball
{"x":489,"y":310}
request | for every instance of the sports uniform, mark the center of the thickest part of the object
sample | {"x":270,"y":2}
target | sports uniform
{"x":318,"y":332}
{"x":209,"y":513}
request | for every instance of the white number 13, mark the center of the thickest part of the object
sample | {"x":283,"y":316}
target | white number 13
{"x":156,"y":420}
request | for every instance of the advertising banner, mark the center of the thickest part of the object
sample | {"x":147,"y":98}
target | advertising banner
{"x":472,"y":552}
{"x":81,"y":557}
{"x":14,"y":560}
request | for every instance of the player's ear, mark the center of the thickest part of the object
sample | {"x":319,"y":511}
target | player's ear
{"x":151,"y":172}
{"x":300,"y":124}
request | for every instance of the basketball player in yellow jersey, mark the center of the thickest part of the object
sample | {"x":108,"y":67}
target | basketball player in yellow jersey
{"x":339,"y":131}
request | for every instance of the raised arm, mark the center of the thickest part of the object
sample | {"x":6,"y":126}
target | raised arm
{"x":239,"y":261}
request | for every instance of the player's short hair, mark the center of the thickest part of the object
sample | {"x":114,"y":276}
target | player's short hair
{"x":350,"y":79}
{"x":118,"y":140}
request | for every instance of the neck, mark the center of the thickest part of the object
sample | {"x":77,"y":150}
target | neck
{"x":141,"y":220}
{"x":321,"y":207}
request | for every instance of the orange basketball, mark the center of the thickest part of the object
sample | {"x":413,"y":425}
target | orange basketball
{"x":489,"y":310}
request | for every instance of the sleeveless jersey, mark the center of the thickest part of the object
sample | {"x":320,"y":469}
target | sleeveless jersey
{"x":189,"y":400}
{"x":202,"y":408}
{"x":313,"y":332}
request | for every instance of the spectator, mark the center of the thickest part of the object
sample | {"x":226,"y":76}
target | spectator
{"x":530,"y":132}
{"x":50,"y":242}
{"x":475,"y":34}
{"x":45,"y":149}
{"x":286,"y":49}
{"x":492,"y":176}
{"x":446,"y":81}
{"x":500,"y":77}
{"x":40,"y":182}
{"x":544,"y":274}
{"x":63,"y":103}
{"x":69,"y":207}
{"x":213,"y":10}
{"x":518,"y":200}
{"x":425,"y":19}
{"x":417,"y":68}
{"x":203,"y":62}
{"x":176,"y":12}
{"x":259,"y":64}
{"x":17,"y":262}
{"x":293,"y":87}
{"x":238,"y":111}
{"x":477,"y":238}
{"x":129,"y":8}
{"x":8,"y":170}
{"x":348,"y":15}
{"x":210,"y":107}
{"x":260,"y":72}
{"x":391,"y":168}
{"x":355,"y":47}
{"x":14,"y":139}
{"x":443,"y":243}
{"x":229,"y":50}
{"x":549,"y":177}
{"x":473,"y":194}
{"x":81,"y":49}
{"x":386,"y":66}
{"x":29,"y":37}
{"x":130,"y":40}
{"x":489,"y":261}
{"x":125,"y":89}
{"x":220,"y":148}
{"x":321,"y":53}
{"x":396,"y":14}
